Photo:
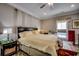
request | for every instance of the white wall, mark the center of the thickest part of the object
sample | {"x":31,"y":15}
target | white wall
{"x":6,"y":15}
{"x":49,"y":24}
{"x":11,"y":18}
{"x":26,"y":20}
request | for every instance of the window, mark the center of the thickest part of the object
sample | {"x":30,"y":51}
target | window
{"x":62,"y":25}
{"x":7,"y":30}
{"x":61,"y":29}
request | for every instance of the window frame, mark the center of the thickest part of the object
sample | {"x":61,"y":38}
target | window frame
{"x":62,"y":30}
{"x":61,"y":25}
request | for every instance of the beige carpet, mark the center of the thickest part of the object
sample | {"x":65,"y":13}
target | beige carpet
{"x":20,"y":53}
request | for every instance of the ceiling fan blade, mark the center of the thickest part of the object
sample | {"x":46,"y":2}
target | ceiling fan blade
{"x":43,"y":6}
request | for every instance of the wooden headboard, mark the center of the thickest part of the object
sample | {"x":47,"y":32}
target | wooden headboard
{"x":22,"y":29}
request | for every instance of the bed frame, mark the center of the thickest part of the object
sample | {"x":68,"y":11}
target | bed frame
{"x":30,"y":51}
{"x":22,"y":29}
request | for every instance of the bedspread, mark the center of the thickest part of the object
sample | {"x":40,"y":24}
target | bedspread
{"x":45,"y":43}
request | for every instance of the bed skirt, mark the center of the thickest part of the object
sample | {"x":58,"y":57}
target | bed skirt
{"x":32,"y":51}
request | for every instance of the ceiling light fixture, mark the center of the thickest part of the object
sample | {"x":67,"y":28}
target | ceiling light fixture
{"x":72,"y":5}
{"x":45,"y":13}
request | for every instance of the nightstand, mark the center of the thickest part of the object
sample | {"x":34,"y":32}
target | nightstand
{"x":8,"y":48}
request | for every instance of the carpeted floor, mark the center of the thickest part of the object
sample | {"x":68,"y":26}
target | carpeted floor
{"x":20,"y":53}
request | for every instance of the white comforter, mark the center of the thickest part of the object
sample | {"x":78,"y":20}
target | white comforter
{"x":45,"y":43}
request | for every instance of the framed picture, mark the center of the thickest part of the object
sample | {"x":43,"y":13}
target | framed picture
{"x":75,"y":23}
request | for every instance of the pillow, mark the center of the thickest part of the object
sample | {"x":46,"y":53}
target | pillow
{"x":24,"y":34}
{"x":43,"y":31}
{"x":21,"y":34}
{"x":36,"y":32}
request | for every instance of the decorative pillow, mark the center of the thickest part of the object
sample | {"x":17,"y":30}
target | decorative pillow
{"x":21,"y":34}
{"x":36,"y":32}
{"x":44,"y":31}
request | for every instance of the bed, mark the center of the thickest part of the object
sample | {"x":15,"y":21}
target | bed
{"x":37,"y":44}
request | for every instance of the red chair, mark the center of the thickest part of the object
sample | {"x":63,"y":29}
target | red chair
{"x":71,"y":36}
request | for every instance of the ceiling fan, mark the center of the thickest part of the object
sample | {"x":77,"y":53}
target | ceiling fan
{"x":45,"y":4}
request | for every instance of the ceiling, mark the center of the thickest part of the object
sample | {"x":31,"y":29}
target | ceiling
{"x":57,"y":9}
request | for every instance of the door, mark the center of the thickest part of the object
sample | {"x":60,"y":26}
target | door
{"x":71,"y":36}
